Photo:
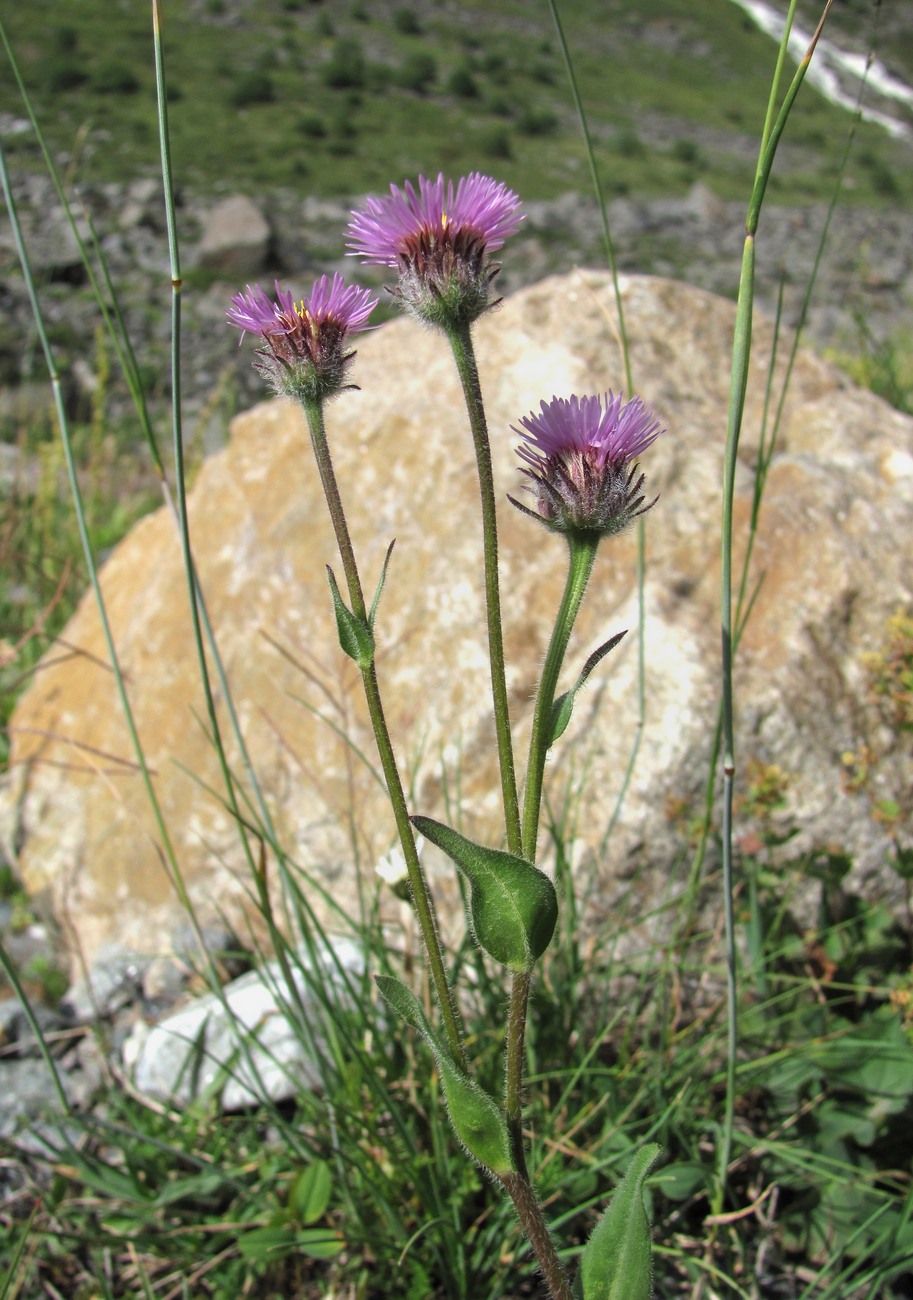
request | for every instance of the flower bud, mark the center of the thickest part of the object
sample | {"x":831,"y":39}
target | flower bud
{"x":580,"y":459}
{"x":439,"y":240}
{"x":305,"y":356}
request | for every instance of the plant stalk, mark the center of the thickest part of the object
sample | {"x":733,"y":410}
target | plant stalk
{"x":532,"y":1220}
{"x":513,"y":1093}
{"x":582,"y":552}
{"x":464,"y":356}
{"x":421,"y":896}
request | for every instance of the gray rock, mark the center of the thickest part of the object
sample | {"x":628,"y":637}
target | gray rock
{"x":240,"y":1044}
{"x":10,"y":1014}
{"x":235,"y":240}
{"x":114,"y":980}
{"x":28,"y":1092}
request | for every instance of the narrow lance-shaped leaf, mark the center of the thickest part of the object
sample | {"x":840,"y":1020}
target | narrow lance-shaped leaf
{"x":617,"y":1262}
{"x":512,"y":904}
{"x":476,"y":1117}
{"x":380,"y":586}
{"x":564,"y":705}
{"x":355,"y":636}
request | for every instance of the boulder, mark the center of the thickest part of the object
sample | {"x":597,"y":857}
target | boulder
{"x":826,"y":562}
{"x":235,"y":240}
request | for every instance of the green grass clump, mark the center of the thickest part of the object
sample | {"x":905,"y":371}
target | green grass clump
{"x":360,"y":1189}
{"x":885,"y":365}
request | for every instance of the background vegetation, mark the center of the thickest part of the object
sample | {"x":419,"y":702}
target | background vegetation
{"x":336,"y":99}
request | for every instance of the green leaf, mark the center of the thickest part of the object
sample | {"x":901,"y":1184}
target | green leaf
{"x":380,"y":585}
{"x":563,"y":707}
{"x":476,"y":1117}
{"x":355,"y":636}
{"x":680,"y":1180}
{"x":512,"y":904}
{"x":404,"y":1001}
{"x":319,"y":1243}
{"x":197,"y":1186}
{"x":310,"y":1192}
{"x":266,"y":1243}
{"x":617,"y":1262}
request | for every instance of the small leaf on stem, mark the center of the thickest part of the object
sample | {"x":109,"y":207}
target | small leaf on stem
{"x":564,"y":705}
{"x":380,"y":585}
{"x":512,"y":904}
{"x":355,"y":635}
{"x":476,"y":1117}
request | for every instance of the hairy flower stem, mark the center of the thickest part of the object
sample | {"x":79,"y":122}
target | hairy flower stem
{"x":532,"y":1220}
{"x":464,"y":356}
{"x":421,"y":897}
{"x":513,"y":1093}
{"x":582,"y":548}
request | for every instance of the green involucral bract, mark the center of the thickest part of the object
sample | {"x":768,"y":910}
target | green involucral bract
{"x":513,"y":905}
{"x":617,"y":1261}
{"x":476,"y":1117}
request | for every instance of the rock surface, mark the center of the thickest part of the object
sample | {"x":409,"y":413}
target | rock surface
{"x":235,"y":242}
{"x":241,"y":1045}
{"x":839,"y":494}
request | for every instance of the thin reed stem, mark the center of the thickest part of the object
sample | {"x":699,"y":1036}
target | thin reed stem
{"x":464,"y":356}
{"x":421,"y":896}
{"x":741,"y":352}
{"x":629,"y":387}
{"x":76,"y":492}
{"x":597,"y":191}
{"x":256,"y":863}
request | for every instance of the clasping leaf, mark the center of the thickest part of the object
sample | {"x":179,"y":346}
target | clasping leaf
{"x":512,"y":904}
{"x":476,"y":1117}
{"x":563,"y":706}
{"x":355,"y":635}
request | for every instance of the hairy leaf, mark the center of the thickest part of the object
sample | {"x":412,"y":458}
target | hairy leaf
{"x":476,"y":1117}
{"x":512,"y":904}
{"x":617,"y":1263}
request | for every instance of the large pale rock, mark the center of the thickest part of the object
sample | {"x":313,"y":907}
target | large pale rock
{"x":830,"y":555}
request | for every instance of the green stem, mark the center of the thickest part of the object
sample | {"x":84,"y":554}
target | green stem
{"x":741,"y":350}
{"x":582,"y":552}
{"x":513,"y":1093}
{"x":421,"y":897}
{"x":464,"y":356}
{"x":532,"y":1220}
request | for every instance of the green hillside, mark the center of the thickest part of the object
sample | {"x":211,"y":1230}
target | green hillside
{"x":340,"y":98}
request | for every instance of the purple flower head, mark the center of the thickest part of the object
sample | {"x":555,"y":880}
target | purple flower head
{"x":305,"y":354}
{"x":579,"y":455}
{"x":438,"y":239}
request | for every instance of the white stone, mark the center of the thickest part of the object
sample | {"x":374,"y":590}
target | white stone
{"x":241,"y":1044}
